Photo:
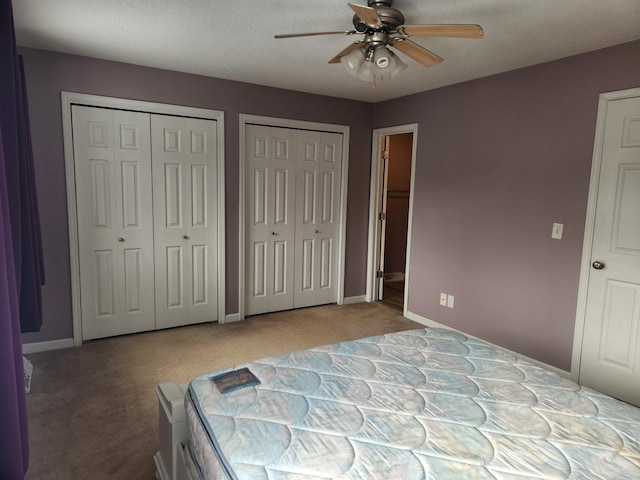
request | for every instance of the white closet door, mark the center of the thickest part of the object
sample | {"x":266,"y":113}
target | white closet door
{"x":185,"y":223}
{"x":319,"y":159}
{"x":270,"y":167}
{"x":113,"y":190}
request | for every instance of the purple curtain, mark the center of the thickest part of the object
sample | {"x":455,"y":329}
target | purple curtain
{"x":21,"y":263}
{"x":14,"y":440}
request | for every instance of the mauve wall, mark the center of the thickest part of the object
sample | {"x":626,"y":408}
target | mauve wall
{"x":499,"y":160}
{"x":49,"y":73}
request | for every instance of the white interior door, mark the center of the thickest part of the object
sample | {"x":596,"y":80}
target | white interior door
{"x":112,"y":164}
{"x":270,"y":171}
{"x":611,"y":342}
{"x":185,"y":223}
{"x":318,"y":174}
{"x":382,"y":219}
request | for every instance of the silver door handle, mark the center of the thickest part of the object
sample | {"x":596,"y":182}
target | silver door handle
{"x":186,"y":237}
{"x":274,"y":233}
{"x":120,"y":239}
{"x":598,"y":264}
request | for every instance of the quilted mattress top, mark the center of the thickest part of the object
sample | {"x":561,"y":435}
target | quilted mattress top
{"x":419,"y":404}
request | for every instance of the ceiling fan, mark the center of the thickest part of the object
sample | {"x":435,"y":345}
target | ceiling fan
{"x":383,"y":27}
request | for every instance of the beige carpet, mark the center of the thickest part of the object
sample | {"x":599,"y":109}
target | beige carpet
{"x":92,"y":409}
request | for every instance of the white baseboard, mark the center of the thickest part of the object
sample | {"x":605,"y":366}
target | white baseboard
{"x":358,"y":299}
{"x":430,"y":323}
{"x":45,"y":346}
{"x":232,"y":317}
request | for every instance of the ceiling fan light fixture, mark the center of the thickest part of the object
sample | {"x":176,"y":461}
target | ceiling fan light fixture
{"x":353,"y":61}
{"x":399,"y":65}
{"x":365,"y":72}
{"x":384,"y":61}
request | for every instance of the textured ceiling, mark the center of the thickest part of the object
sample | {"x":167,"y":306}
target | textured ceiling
{"x":233,"y":39}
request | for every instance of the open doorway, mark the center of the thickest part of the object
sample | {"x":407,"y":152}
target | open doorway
{"x":391,"y":181}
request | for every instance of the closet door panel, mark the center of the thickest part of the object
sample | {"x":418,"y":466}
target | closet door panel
{"x":113,"y":170}
{"x":202,"y":219}
{"x":173,"y":283}
{"x":318,"y":185}
{"x":184,"y":166}
{"x":134,"y":193}
{"x":133,"y":280}
{"x":172,"y":186}
{"x":104,"y":280}
{"x":270,"y":218}
{"x":258,"y":236}
{"x":330,"y":168}
{"x":306,"y":269}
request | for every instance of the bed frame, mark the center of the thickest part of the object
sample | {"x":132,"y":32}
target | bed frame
{"x":170,"y":460}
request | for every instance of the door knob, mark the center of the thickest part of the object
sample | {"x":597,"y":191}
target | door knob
{"x":317,"y":231}
{"x":598,"y":264}
{"x":120,"y":239}
{"x":274,"y":233}
{"x":186,"y":237}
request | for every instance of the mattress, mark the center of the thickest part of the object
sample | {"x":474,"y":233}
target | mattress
{"x":418,"y":404}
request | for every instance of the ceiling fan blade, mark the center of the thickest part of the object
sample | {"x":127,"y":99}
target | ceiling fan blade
{"x":346,"y":51}
{"x":415,"y":51}
{"x":367,"y":14}
{"x":458,"y":31}
{"x":313,"y":34}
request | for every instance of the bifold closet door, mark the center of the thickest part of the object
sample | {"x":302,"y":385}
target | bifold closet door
{"x":185,"y":220}
{"x":270,"y":218}
{"x":112,"y":162}
{"x":292,"y":185}
{"x":318,"y":174}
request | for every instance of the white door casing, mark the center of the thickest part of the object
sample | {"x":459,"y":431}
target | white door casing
{"x":184,"y":183}
{"x":270,"y":172}
{"x":375,"y":196}
{"x":610,"y":350}
{"x":113,"y":184}
{"x":318,"y":170}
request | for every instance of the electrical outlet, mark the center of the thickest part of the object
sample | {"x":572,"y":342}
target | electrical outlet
{"x":443,"y":299}
{"x":450,"y":301}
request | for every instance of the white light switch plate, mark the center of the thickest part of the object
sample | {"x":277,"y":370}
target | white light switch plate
{"x":443,"y":299}
{"x":556,"y":231}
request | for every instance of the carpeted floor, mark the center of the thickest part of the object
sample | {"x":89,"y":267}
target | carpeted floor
{"x":93,"y":412}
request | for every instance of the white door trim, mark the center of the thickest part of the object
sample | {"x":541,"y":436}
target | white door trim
{"x":376,"y":165}
{"x":301,"y":125}
{"x":585,"y":264}
{"x":71,"y":98}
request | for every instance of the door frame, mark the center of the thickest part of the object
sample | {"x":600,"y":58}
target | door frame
{"x":375,"y":192}
{"x":589,"y":228}
{"x":342,"y":208}
{"x":70,"y":98}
